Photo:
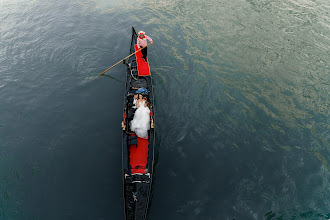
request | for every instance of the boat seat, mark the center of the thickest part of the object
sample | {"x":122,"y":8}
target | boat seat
{"x":132,"y":140}
{"x":141,"y":82}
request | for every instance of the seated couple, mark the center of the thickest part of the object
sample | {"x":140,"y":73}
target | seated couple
{"x":141,"y":120}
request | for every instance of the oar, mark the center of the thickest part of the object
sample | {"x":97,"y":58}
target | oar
{"x":124,"y":59}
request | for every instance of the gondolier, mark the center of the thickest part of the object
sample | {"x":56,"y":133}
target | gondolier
{"x":142,"y":42}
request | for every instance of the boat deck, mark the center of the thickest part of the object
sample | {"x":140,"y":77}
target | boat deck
{"x":143,"y":67}
{"x":138,"y":155}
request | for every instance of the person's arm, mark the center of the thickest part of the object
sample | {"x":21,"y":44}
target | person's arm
{"x":149,"y":38}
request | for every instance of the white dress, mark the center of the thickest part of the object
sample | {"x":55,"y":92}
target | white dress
{"x":141,"y":121}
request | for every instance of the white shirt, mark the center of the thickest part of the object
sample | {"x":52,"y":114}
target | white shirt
{"x":142,"y":42}
{"x":134,"y":103}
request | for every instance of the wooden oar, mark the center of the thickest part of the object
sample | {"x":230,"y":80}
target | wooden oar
{"x":124,"y":59}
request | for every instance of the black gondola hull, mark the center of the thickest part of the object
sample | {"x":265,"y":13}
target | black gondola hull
{"x":137,"y":180}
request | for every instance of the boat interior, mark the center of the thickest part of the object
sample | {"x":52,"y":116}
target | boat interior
{"x":137,"y":148}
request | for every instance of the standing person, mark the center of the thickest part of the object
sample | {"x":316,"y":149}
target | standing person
{"x":142,"y":42}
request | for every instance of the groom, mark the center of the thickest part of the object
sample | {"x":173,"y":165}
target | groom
{"x":132,"y":103}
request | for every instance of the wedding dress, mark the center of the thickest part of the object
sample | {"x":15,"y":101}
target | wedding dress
{"x":141,"y":121}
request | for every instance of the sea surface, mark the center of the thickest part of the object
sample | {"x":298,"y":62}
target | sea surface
{"x":242,"y":108}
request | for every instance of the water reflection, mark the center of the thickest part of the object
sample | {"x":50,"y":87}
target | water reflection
{"x":250,"y":78}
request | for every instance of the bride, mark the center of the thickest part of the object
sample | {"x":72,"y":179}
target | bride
{"x":141,"y":121}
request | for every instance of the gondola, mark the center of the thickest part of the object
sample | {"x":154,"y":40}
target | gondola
{"x":137,"y":153}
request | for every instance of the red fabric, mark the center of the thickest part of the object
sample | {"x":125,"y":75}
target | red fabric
{"x":143,"y":67}
{"x":139,"y":155}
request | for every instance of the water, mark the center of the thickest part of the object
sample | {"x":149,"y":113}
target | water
{"x":242,"y":108}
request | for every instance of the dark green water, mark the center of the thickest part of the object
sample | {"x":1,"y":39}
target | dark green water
{"x":242,"y":104}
